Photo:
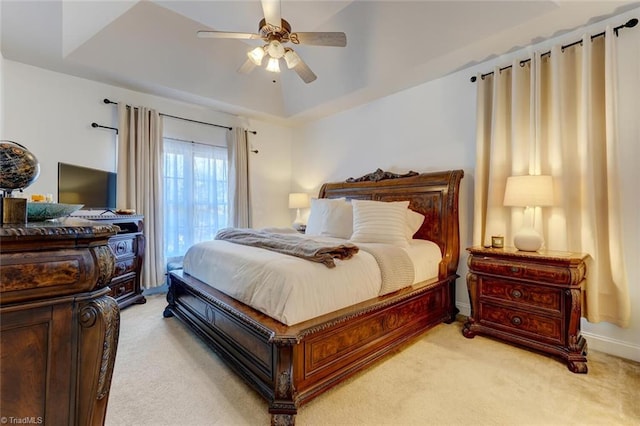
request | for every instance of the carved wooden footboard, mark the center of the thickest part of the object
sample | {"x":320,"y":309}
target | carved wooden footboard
{"x":290,"y":365}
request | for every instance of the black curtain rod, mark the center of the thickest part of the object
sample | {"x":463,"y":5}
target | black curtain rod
{"x":96,"y":125}
{"x":255,"y":151}
{"x":629,"y":24}
{"x":107,"y":101}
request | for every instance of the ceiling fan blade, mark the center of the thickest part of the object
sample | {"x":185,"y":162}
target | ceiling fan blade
{"x":320,"y":39}
{"x":271,"y":10}
{"x":304,"y":72}
{"x":226,"y":34}
{"x":247,"y":67}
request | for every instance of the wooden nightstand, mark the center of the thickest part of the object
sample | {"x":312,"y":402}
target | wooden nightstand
{"x":533,"y":299}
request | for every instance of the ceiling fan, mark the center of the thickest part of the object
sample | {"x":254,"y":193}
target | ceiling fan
{"x":276,"y":32}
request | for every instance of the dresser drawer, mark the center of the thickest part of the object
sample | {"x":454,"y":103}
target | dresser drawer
{"x":523,"y":294}
{"x":123,"y":288}
{"x":551,"y":274}
{"x":123,"y":246}
{"x":538,"y":327}
{"x":125,"y":266}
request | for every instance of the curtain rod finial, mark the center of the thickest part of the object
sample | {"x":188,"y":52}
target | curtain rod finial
{"x":473,"y":79}
{"x":631,"y":23}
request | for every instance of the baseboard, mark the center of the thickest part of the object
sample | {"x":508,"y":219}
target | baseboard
{"x":464,"y":308}
{"x":155,"y":290}
{"x":613,"y":347}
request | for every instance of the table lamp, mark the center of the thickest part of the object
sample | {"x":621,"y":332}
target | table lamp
{"x":298,"y":200}
{"x":529,"y":192}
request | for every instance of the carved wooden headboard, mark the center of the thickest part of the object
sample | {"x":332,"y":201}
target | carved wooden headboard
{"x":435,"y":195}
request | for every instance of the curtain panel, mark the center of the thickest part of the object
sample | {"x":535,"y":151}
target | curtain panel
{"x":556,"y":115}
{"x":139,"y":182}
{"x":239,"y":196}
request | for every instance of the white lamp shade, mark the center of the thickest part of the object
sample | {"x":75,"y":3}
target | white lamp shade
{"x":291,"y":58}
{"x":256,"y":55}
{"x":275,"y":49}
{"x":529,"y":191}
{"x":298,"y":200}
{"x":273,"y":65}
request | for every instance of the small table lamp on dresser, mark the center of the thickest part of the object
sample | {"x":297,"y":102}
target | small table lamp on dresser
{"x":298,"y":200}
{"x":529,"y":192}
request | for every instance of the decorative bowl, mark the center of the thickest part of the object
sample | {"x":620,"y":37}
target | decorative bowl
{"x":37,"y":212}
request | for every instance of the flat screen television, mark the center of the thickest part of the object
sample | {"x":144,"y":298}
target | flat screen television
{"x":94,"y":188}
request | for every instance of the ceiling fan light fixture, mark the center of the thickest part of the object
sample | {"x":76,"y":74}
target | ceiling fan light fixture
{"x":275,"y":49}
{"x":273,"y":65}
{"x":256,"y":55}
{"x":291,"y":58}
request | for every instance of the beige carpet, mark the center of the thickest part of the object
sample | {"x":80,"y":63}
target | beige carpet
{"x":164,"y":375}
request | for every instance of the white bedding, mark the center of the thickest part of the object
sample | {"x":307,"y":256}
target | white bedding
{"x":291,"y":289}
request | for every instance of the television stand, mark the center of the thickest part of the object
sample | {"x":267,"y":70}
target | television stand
{"x":128,"y":247}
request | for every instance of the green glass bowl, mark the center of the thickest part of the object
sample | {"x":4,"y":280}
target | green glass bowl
{"x":37,"y":212}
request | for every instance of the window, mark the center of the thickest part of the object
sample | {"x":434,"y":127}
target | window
{"x":195,"y":194}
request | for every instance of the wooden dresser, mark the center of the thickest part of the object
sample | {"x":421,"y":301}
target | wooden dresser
{"x":58,"y":326}
{"x":532,"y":299}
{"x":128,"y":246}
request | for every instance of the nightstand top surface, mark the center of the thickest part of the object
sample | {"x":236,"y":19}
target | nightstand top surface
{"x":512,"y":252}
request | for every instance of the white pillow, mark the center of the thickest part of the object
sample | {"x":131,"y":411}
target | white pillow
{"x":414,"y":222}
{"x":380,"y":222}
{"x":330,"y":217}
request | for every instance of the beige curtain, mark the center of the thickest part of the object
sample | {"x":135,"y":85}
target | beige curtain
{"x":556,"y":115}
{"x":239,"y":197}
{"x":140,"y":182}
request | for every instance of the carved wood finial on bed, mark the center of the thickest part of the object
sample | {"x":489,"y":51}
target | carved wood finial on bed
{"x":379,"y":175}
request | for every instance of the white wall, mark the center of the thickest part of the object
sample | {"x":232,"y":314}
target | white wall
{"x":432,"y":127}
{"x":51,"y":114}
{"x":1,"y":96}
{"x":1,"y":87}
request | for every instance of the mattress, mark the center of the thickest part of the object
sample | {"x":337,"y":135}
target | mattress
{"x":290,"y":289}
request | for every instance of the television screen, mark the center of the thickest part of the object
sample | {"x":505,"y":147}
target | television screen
{"x":94,"y":188}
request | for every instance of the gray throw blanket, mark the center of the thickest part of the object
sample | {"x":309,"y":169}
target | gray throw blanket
{"x":289,"y":244}
{"x":396,"y":267}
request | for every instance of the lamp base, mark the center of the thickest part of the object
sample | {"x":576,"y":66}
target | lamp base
{"x":298,"y":224}
{"x":527,"y":239}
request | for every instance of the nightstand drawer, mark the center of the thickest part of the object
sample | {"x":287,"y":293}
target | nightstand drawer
{"x":536,"y":326}
{"x":522,"y":270}
{"x":522,"y":294}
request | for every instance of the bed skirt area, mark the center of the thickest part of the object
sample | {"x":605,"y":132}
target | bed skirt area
{"x":290,"y":365}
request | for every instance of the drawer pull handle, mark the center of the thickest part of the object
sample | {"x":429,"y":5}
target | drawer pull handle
{"x":515,"y":269}
{"x":517,"y":294}
{"x":516,"y":320}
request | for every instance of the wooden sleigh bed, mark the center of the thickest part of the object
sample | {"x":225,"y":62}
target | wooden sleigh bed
{"x":290,"y":365}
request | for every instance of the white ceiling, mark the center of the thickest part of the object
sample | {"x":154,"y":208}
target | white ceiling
{"x":151,"y":46}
